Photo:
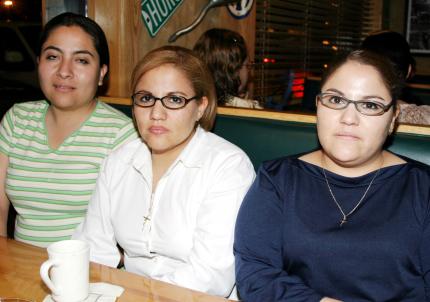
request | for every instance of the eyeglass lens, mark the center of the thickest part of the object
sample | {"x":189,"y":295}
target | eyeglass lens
{"x":168,"y":101}
{"x":366,"y":107}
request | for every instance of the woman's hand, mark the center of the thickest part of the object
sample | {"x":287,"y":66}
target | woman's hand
{"x":326,"y":299}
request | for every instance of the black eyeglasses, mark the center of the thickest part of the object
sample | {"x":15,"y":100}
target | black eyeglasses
{"x":366,"y":107}
{"x":144,"y":99}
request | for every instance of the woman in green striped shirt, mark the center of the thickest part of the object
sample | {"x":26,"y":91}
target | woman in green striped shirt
{"x":51,"y":151}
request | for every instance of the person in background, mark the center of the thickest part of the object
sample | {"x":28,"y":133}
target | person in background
{"x":170,"y":201}
{"x":225,"y":53}
{"x":350,"y":221}
{"x":51,"y":150}
{"x":395,"y":47}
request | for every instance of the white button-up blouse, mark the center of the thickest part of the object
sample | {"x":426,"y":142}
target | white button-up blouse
{"x":181,"y":233}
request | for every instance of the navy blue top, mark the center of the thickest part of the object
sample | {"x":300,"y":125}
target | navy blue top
{"x":289,"y":245}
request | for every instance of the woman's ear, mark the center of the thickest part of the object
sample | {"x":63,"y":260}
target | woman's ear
{"x":409,"y":72}
{"x":103,"y":72}
{"x":202,"y":107}
{"x":394,"y":119}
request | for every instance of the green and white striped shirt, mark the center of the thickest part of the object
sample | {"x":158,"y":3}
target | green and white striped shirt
{"x":50,"y":189}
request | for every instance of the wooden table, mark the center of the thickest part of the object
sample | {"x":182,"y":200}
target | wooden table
{"x":19,"y":278}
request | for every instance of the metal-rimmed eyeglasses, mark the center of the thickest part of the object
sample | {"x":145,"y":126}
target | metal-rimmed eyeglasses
{"x":366,"y":107}
{"x":144,"y":99}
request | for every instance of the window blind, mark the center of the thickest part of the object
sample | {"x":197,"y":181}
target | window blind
{"x":297,"y":39}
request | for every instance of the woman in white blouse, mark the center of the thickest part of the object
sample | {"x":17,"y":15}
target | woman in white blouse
{"x":170,"y":199}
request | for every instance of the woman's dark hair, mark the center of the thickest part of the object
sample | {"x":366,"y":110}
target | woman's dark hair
{"x":87,"y":25}
{"x":224,"y":51}
{"x":394,"y":46}
{"x":390,"y":76}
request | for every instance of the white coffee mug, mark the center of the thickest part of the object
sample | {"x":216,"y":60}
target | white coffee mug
{"x":66,"y":272}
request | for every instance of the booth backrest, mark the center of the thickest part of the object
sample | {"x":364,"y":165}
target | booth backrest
{"x":265,"y":135}
{"x":264,"y":139}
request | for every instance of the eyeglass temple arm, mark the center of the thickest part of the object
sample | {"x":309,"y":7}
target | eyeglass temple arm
{"x":209,"y":5}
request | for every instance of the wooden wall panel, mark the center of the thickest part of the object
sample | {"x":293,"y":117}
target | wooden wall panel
{"x":129,"y":40}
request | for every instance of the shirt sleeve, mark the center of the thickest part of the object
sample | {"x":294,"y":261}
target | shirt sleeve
{"x":126,"y":134}
{"x":6,"y":131}
{"x":97,"y":229}
{"x":211,"y":262}
{"x":259,"y":245}
{"x":425,"y":254}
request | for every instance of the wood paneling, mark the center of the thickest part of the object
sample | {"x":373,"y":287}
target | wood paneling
{"x":129,"y":40}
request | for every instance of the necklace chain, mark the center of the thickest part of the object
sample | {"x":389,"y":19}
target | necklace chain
{"x":147,"y":218}
{"x":345,"y":216}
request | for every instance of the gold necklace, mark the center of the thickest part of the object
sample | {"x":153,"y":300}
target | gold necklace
{"x":345,"y":216}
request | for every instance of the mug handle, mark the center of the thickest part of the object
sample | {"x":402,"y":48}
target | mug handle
{"x":44,"y":273}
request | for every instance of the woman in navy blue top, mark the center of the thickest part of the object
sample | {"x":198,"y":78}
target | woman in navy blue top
{"x":348,"y":222}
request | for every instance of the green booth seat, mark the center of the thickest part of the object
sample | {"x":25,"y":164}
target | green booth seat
{"x":264,"y":139}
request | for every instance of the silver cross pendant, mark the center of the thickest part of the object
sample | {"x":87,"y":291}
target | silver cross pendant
{"x":343,"y":221}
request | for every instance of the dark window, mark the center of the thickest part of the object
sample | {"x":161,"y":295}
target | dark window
{"x":31,"y":34}
{"x":297,"y":39}
{"x":13,"y":54}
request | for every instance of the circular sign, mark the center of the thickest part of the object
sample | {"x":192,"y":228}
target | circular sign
{"x":241,"y":8}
